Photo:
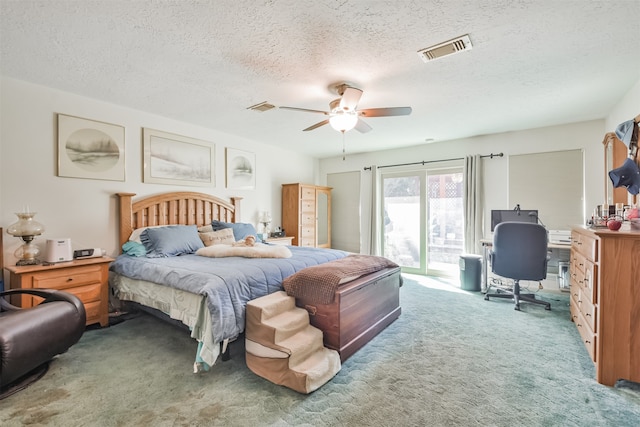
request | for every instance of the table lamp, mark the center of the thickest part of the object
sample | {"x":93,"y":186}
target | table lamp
{"x":265,"y":220}
{"x":27,"y":229}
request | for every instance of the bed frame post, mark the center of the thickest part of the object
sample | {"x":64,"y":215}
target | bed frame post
{"x":126,"y":219}
{"x":236,"y":208}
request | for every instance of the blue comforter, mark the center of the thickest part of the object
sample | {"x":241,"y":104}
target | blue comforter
{"x":228,"y":283}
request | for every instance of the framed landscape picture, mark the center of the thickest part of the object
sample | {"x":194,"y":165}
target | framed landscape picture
{"x":90,"y":149}
{"x":177,"y":160}
{"x":241,"y":169}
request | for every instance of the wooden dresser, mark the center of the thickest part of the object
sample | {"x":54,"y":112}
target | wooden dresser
{"x":88,"y":279}
{"x":605,"y":299}
{"x":306,"y":214}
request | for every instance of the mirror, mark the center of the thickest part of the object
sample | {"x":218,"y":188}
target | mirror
{"x":323,"y":218}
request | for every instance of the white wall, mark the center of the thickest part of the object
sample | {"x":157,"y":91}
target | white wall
{"x":585,"y":135}
{"x":626,"y":109}
{"x":85,"y":210}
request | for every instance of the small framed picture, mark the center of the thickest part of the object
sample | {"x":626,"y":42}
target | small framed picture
{"x":241,"y":169}
{"x":90,"y":149}
{"x":177,"y":160}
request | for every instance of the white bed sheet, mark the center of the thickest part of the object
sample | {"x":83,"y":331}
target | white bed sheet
{"x":186,"y":307}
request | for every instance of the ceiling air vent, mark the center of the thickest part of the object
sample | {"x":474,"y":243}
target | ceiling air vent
{"x":262,"y":107}
{"x":450,"y":47}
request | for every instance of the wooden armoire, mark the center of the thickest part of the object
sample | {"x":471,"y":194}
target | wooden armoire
{"x":306,"y":214}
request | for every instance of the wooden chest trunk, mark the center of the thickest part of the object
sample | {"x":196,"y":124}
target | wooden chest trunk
{"x":361,"y":309}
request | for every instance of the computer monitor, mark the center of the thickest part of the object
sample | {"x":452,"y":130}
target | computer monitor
{"x":520,"y":215}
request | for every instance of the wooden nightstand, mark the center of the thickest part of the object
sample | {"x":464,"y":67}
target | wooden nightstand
{"x":88,"y":279}
{"x":280,"y":240}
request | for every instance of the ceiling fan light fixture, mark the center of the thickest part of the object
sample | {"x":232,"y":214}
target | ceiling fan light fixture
{"x":343,"y":121}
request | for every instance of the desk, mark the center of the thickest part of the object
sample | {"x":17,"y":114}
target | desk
{"x":488,"y":243}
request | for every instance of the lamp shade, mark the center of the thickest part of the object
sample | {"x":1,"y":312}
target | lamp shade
{"x":343,"y":121}
{"x":26,"y":225}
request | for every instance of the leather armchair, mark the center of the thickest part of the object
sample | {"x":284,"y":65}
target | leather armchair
{"x":32,"y":336}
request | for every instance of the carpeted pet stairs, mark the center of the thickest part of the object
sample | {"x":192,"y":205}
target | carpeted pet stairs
{"x":284,"y":348}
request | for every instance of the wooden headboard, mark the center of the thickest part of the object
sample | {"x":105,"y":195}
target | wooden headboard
{"x":176,"y":208}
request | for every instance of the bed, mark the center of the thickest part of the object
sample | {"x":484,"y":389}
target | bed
{"x":208,"y":295}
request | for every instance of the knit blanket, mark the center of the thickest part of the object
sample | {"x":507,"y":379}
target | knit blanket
{"x":319,"y":283}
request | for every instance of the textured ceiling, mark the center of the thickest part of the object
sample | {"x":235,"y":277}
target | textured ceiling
{"x":534,"y":63}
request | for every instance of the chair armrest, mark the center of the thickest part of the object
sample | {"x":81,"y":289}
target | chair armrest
{"x":49,"y":295}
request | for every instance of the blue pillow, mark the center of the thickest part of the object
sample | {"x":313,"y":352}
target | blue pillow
{"x":240,"y":229}
{"x":171,"y":240}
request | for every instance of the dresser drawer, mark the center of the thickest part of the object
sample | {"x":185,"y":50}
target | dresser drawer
{"x":308,"y":193}
{"x":587,"y":335}
{"x":588,"y":311}
{"x":586,"y":245}
{"x":307,"y":233}
{"x":308,"y":219}
{"x":67,"y":278}
{"x":308,"y":242}
{"x":589,"y":282}
{"x":308,"y":206}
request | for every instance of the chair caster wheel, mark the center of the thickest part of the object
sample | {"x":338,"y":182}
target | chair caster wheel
{"x":517,"y":307}
{"x":486,"y":298}
{"x":548,"y":308}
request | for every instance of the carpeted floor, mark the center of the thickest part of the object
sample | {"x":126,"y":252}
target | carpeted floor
{"x":451,"y":359}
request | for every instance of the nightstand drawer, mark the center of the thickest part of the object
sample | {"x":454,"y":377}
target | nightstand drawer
{"x":87,"y":293}
{"x":93,"y":310}
{"x":67,"y":278}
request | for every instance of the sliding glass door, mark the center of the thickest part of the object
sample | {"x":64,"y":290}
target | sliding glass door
{"x":403,"y":234}
{"x":423,"y":220}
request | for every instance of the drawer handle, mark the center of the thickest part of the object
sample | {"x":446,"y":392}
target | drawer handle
{"x":70,"y":279}
{"x":587,"y":342}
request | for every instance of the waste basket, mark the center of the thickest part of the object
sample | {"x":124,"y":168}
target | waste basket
{"x":470,"y":272}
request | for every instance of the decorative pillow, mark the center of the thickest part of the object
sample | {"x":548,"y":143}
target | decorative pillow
{"x":205,"y":229}
{"x":132,"y":248}
{"x":220,"y":237}
{"x":171,"y":240}
{"x":240,"y":229}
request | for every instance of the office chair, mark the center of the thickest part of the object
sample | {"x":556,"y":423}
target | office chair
{"x":519,"y":252}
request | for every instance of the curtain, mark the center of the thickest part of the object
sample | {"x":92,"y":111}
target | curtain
{"x":472,"y":205}
{"x":374,"y":237}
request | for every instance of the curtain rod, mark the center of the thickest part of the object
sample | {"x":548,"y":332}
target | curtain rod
{"x":424,"y":162}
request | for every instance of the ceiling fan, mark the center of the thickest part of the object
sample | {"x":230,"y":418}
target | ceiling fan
{"x":344,"y":115}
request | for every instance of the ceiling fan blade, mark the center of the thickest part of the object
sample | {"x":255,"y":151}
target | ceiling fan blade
{"x":326,"y":113}
{"x":361,"y":126}
{"x":350,"y":98}
{"x":317,"y":125}
{"x":385,"y":112}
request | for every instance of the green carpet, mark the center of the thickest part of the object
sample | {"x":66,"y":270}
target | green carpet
{"x":451,"y":359}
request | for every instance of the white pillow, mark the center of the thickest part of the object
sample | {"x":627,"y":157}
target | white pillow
{"x":220,"y":237}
